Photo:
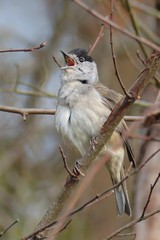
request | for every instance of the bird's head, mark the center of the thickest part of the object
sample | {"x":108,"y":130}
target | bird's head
{"x":79,"y":67}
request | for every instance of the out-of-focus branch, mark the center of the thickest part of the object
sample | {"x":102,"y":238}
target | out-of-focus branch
{"x":108,"y":22}
{"x":145,"y":8}
{"x":134,"y":24}
{"x":24,"y":49}
{"x":113,"y":53}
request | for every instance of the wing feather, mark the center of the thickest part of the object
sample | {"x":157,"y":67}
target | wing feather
{"x":111,"y":98}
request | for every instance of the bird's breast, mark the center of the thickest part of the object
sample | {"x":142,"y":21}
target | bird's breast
{"x":80,"y":117}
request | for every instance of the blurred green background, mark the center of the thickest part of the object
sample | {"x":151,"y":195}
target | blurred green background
{"x":31,"y":168}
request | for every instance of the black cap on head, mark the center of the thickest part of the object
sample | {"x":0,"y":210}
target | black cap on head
{"x":80,"y":52}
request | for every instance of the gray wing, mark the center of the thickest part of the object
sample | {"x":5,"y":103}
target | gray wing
{"x":111,"y":98}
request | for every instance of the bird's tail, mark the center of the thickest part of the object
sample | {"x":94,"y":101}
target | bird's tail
{"x":122,"y":199}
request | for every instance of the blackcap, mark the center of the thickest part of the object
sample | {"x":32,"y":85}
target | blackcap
{"x":84,"y":105}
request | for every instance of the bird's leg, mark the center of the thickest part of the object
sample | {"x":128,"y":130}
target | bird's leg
{"x":93,"y":142}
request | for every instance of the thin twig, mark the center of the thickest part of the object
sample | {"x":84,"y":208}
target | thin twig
{"x":24,"y":49}
{"x":61,"y":230}
{"x":126,"y":234}
{"x":139,"y":56}
{"x":149,"y":196}
{"x":113,"y":52}
{"x":31,"y":111}
{"x":65,"y":162}
{"x":24,"y":112}
{"x":9,"y":227}
{"x":55,"y":60}
{"x":100,"y":35}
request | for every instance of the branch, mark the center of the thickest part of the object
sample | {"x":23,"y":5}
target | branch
{"x":131,"y":224}
{"x":55,"y":60}
{"x":9,"y":227}
{"x":65,"y":162}
{"x":24,"y":112}
{"x":30,"y":111}
{"x":108,"y":22}
{"x":24,"y":49}
{"x":100,"y":35}
{"x":149,"y":196}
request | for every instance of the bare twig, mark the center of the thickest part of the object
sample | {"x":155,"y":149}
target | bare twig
{"x":107,"y":22}
{"x":100,"y":35}
{"x":113,"y":53}
{"x":24,"y":49}
{"x":30,"y":111}
{"x":65,"y":162}
{"x":149,"y":195}
{"x":126,"y":234}
{"x":9,"y":227}
{"x":27,"y":111}
{"x":141,"y":59}
{"x":55,"y":60}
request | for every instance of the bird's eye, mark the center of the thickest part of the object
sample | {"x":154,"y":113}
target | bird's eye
{"x":81,"y":59}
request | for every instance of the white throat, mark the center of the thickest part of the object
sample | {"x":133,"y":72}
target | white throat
{"x":84,"y":71}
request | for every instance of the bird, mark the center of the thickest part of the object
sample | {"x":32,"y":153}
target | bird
{"x":83,"y":106}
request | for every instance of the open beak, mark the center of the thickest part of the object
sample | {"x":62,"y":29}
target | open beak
{"x":69,"y":61}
